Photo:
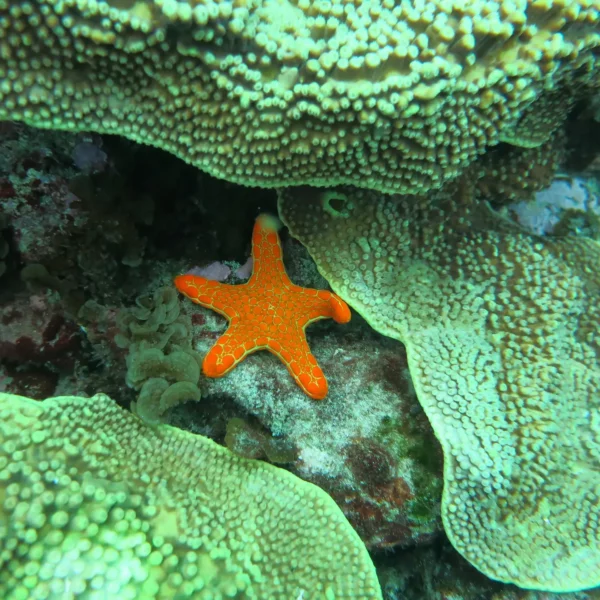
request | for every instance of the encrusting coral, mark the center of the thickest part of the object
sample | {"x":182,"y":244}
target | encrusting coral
{"x":96,"y":504}
{"x":267,"y":313}
{"x":502,"y":335}
{"x":394,"y":96}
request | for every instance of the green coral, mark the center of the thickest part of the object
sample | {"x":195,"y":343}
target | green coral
{"x":96,"y":504}
{"x":502,"y":331}
{"x":379,"y":94}
{"x":161,"y":362}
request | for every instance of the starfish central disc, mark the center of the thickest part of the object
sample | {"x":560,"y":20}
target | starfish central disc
{"x":267,"y":313}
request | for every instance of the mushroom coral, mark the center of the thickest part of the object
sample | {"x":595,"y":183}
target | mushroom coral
{"x":96,"y":504}
{"x":502,"y":335}
{"x":393,"y":96}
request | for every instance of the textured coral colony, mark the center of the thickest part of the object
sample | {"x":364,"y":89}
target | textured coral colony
{"x":186,"y":186}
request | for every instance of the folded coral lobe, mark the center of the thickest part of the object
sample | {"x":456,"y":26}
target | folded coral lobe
{"x":98,"y":504}
{"x":400,"y":98}
{"x":502,"y":331}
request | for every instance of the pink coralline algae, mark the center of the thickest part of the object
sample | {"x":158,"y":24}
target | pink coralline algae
{"x":34,"y":330}
{"x":542,"y":214}
{"x":215,"y":271}
{"x":221,"y":271}
{"x":244,"y":271}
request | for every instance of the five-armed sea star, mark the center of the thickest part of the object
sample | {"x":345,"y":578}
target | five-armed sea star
{"x":269,"y":312}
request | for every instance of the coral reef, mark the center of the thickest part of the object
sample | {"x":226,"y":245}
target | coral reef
{"x":96,"y":503}
{"x":33,"y":330}
{"x":95,"y":222}
{"x":74,"y":250}
{"x":35,"y":170}
{"x":507,"y":174}
{"x":3,"y":245}
{"x":501,"y":331}
{"x":39,"y":342}
{"x":435,"y":573}
{"x":540,"y":119}
{"x":94,"y":227}
{"x":388,"y":96}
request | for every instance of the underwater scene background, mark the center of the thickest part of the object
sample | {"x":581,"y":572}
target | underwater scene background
{"x":300,"y":300}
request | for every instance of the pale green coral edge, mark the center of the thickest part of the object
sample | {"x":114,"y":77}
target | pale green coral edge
{"x":24,"y":412}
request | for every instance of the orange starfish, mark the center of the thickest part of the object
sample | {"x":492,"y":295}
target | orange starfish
{"x":269,"y":312}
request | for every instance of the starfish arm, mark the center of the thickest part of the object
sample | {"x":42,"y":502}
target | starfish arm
{"x":300,"y":362}
{"x":267,"y":257}
{"x":327,"y":305}
{"x":209,"y":293}
{"x":315,"y":305}
{"x":229,"y":350}
{"x":340,"y":311}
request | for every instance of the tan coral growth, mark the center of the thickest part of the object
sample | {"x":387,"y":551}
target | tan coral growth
{"x":508,"y":173}
{"x":394,"y":96}
{"x":503,"y":341}
{"x":97,"y":505}
{"x":161,"y":362}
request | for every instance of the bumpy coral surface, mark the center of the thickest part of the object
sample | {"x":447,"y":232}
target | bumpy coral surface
{"x":501,"y":330}
{"x":508,"y":174}
{"x":97,"y":504}
{"x":381,"y":94}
